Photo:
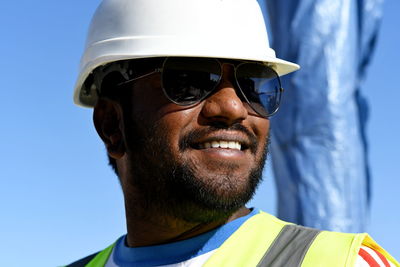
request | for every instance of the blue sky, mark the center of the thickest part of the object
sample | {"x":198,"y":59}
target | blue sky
{"x":58,"y":198}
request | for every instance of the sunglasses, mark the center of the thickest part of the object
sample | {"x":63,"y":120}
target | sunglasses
{"x":188,"y":81}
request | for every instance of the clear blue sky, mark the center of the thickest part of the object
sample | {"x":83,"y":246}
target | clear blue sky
{"x":59,"y":200}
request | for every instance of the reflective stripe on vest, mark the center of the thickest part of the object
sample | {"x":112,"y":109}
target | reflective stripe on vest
{"x":290,"y":247}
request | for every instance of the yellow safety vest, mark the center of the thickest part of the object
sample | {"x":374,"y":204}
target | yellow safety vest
{"x":264,"y":240}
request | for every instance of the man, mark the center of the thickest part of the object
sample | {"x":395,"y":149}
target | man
{"x":182,"y":91}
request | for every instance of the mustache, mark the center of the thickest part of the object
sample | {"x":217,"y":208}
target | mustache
{"x":190,"y":137}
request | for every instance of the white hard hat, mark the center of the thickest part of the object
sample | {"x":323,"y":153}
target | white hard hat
{"x":129,"y":29}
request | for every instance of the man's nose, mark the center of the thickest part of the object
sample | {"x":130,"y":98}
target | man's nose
{"x":225,"y":105}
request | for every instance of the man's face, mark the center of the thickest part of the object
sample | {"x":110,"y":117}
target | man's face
{"x":199,"y":163}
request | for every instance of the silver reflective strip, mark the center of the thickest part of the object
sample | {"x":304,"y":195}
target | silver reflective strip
{"x":289,"y":247}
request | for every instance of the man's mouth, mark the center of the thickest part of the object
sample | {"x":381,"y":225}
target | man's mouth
{"x":237,"y":139}
{"x":226,"y":143}
{"x":221,"y":144}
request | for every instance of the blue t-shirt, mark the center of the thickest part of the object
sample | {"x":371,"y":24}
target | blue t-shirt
{"x":177,"y":251}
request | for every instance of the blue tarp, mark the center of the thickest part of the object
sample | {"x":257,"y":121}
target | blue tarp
{"x":319,"y":149}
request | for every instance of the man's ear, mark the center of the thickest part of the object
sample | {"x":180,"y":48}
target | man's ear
{"x":107,"y":116}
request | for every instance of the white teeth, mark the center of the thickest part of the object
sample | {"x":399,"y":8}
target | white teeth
{"x":232,"y":145}
{"x":221,"y":144}
{"x":215,"y":144}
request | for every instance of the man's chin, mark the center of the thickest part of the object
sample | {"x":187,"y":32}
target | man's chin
{"x":197,"y":198}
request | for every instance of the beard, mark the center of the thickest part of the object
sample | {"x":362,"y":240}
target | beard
{"x":168,"y":184}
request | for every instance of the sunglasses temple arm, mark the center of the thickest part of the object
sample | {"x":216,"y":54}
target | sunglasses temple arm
{"x":140,"y":77}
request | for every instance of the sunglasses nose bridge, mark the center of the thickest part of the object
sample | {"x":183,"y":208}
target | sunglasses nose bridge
{"x":227,"y":68}
{"x":228,"y":76}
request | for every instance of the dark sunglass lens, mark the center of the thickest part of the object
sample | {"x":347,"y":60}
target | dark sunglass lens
{"x":261,"y":86}
{"x":189,"y":80}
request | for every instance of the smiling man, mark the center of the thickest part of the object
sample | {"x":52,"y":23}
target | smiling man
{"x":182,"y":92}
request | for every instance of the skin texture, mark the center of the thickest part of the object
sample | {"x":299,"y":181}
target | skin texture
{"x":174,"y":190}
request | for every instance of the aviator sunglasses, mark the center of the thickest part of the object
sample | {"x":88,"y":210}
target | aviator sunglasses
{"x":188,"y":81}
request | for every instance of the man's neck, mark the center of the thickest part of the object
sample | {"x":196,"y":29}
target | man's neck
{"x":162,"y":229}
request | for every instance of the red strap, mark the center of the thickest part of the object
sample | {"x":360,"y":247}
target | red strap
{"x":368,"y":258}
{"x":383,"y":258}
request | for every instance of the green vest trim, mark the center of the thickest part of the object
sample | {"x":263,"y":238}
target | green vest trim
{"x":102,"y":257}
